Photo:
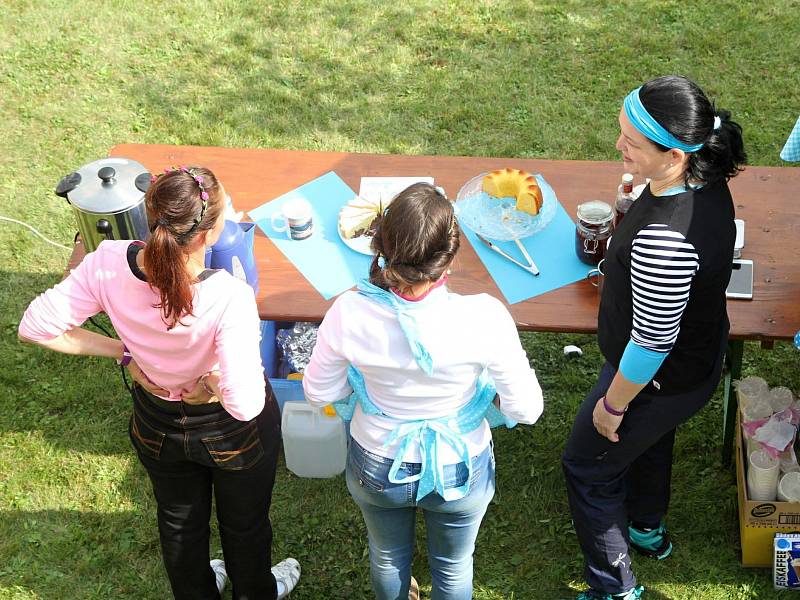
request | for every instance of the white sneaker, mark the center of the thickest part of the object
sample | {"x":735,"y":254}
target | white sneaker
{"x":218,"y":566}
{"x":287,"y":574}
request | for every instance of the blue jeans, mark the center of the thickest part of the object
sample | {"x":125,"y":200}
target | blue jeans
{"x":389,"y":511}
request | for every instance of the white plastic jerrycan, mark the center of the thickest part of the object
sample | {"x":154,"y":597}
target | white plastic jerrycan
{"x":314,"y":440}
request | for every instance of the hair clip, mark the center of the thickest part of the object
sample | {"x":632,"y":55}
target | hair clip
{"x":198,"y":179}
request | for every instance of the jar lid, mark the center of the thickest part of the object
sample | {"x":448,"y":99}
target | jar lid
{"x":106,"y":186}
{"x":595,"y":212}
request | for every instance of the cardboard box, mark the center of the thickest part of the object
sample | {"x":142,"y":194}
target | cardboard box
{"x":760,"y":521}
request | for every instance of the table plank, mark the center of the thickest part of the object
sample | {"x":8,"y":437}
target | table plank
{"x":765,"y":197}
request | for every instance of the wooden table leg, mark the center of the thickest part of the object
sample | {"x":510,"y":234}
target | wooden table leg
{"x":733,"y":371}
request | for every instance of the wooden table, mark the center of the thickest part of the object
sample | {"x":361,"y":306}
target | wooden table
{"x":768,"y":199}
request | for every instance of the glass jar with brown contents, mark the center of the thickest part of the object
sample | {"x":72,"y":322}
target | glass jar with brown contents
{"x":595,"y":224}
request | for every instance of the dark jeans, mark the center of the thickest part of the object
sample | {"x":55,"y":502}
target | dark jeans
{"x":190,"y":451}
{"x":612,"y":484}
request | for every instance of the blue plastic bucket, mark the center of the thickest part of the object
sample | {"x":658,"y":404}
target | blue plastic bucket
{"x":287,"y":390}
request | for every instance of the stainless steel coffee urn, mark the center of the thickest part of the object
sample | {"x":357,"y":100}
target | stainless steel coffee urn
{"x":107,"y":196}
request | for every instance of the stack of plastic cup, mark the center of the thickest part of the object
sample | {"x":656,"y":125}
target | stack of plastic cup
{"x":756,"y":408}
{"x":762,"y":477}
{"x":789,"y":488}
{"x":750,"y":445}
{"x":749,"y":388}
{"x":780,"y":398}
{"x":788,"y":461}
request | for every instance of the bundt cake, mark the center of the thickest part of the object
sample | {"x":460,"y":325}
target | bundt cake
{"x":514,"y":183}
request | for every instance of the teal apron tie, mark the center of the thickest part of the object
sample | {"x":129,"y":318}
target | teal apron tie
{"x":428,"y":434}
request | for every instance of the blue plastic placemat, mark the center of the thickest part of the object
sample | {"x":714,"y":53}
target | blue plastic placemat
{"x":323,"y":259}
{"x":552,"y":249}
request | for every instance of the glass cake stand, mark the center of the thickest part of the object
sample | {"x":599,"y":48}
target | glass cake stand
{"x":497,"y":218}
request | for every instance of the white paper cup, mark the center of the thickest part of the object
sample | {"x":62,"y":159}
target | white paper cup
{"x":750,"y":387}
{"x":780,"y":398}
{"x":762,"y":477}
{"x":789,"y":487}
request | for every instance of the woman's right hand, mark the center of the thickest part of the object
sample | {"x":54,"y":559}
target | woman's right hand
{"x":139,"y":377}
{"x":203,"y":392}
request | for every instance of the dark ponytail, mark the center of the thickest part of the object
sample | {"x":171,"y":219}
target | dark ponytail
{"x":176,"y":213}
{"x":416,"y":239}
{"x":722,"y":155}
{"x":681,"y":107}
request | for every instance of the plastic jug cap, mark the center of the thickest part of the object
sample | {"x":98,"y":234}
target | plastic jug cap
{"x":230,"y":237}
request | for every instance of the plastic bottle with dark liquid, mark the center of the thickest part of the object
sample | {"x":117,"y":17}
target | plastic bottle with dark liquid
{"x":625,"y":198}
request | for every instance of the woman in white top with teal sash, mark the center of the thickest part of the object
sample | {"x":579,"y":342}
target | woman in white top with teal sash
{"x":417,"y":368}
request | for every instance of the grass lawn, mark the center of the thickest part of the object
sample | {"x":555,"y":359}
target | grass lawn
{"x":455,"y":77}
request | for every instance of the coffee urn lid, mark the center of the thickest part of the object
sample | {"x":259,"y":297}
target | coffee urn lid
{"x":106,"y":186}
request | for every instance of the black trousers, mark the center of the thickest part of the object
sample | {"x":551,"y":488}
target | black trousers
{"x":612,"y":484}
{"x":189,"y":452}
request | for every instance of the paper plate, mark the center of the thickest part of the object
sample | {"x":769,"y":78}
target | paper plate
{"x":360,"y":244}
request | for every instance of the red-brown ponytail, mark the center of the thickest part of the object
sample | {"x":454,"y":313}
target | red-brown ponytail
{"x":177,"y":213}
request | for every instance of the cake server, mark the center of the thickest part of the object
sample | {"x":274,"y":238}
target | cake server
{"x":530,"y":267}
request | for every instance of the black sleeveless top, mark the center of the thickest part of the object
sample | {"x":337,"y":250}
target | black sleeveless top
{"x":699,"y":218}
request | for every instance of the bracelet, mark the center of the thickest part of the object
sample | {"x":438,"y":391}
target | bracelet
{"x":127,"y":357}
{"x":204,"y":383}
{"x":611,"y":410}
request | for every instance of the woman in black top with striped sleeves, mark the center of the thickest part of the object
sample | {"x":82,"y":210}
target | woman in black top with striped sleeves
{"x":662,"y":327}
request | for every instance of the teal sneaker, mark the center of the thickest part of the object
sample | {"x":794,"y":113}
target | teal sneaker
{"x":654,"y":543}
{"x":633,"y":594}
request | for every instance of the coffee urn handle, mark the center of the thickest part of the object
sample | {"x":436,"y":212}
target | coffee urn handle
{"x":67,"y":184}
{"x":104,"y":227}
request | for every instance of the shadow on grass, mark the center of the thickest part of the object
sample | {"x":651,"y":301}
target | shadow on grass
{"x":341,"y":83}
{"x":526,"y":545}
{"x":74,"y":402}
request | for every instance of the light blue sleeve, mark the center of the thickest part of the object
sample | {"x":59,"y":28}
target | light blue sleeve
{"x":639,"y":365}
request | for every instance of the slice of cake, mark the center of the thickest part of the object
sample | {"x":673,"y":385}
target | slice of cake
{"x":357,"y":217}
{"x":517,"y":184}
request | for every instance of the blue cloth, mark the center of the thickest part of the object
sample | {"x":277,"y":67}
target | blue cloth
{"x":639,"y":365}
{"x":791,"y":151}
{"x":427,"y":434}
{"x":405,"y":317}
{"x":650,"y":128}
{"x":552,"y":249}
{"x":389,"y":511}
{"x":323,"y":259}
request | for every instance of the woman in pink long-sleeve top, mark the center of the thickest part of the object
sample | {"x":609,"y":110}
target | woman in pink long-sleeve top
{"x":201,"y":419}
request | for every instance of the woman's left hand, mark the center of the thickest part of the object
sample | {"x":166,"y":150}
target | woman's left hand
{"x":606,"y":423}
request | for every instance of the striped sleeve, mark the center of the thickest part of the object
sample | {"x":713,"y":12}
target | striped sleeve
{"x":663,"y":264}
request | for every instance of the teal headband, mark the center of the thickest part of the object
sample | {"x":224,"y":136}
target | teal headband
{"x":650,"y":128}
